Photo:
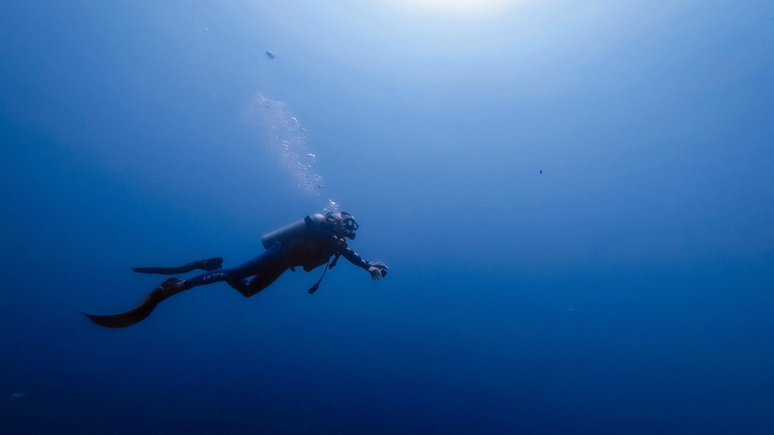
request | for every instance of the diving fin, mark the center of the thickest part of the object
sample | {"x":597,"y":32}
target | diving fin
{"x":208,"y":265}
{"x":138,"y":313}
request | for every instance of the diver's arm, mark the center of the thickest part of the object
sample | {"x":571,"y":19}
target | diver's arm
{"x":378,"y":270}
{"x":354,"y":258}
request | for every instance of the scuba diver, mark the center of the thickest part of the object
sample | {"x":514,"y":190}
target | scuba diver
{"x":308,"y":243}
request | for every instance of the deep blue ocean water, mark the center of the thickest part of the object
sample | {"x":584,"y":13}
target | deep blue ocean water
{"x":575,"y":199}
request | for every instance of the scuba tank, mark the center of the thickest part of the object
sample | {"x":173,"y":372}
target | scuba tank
{"x":301,"y":228}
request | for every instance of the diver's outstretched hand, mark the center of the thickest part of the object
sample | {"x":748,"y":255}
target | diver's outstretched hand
{"x":378,"y":270}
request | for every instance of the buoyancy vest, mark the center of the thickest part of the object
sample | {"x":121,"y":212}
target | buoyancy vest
{"x":308,"y":243}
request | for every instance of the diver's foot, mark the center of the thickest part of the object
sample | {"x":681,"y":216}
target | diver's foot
{"x":209,"y":264}
{"x":168,"y":288}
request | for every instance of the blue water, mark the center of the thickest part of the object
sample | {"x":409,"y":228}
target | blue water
{"x":625,"y":289}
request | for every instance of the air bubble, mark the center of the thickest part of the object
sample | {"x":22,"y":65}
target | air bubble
{"x":285,"y":139}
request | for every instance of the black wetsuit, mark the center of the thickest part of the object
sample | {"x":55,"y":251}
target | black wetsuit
{"x":310,"y":252}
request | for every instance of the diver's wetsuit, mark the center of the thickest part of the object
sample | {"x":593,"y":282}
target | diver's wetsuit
{"x":308,"y":253}
{"x":313,"y":249}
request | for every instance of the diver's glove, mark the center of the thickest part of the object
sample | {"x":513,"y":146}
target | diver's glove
{"x":377,"y":269}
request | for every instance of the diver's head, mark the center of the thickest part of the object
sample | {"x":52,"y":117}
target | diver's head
{"x":343,"y":224}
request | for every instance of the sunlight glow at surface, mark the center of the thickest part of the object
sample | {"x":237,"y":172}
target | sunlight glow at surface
{"x":456,"y":6}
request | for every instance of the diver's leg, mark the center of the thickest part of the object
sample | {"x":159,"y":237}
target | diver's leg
{"x":261,"y":281}
{"x":270,"y":263}
{"x":265,"y":268}
{"x":208,"y":265}
{"x":168,"y":288}
{"x":240,"y":285}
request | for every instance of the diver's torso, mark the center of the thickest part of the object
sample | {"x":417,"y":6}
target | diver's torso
{"x":313,"y":250}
